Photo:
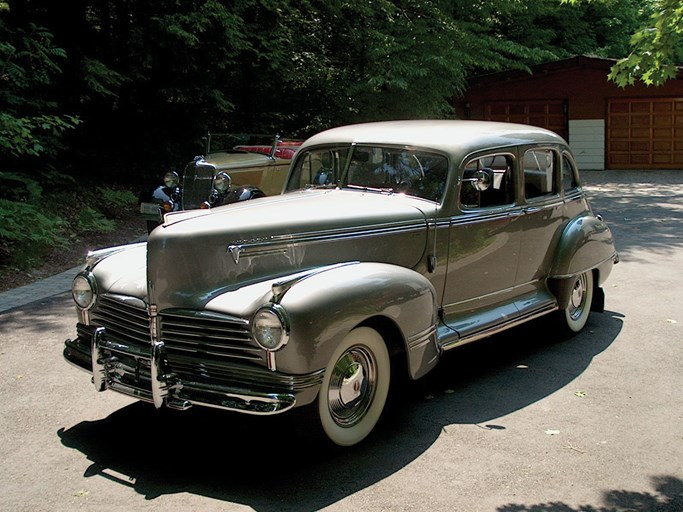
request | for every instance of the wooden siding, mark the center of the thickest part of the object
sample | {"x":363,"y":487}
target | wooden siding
{"x":550,"y":114}
{"x":645,"y":133}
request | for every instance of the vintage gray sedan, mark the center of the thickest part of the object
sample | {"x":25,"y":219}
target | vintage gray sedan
{"x":391,"y":243}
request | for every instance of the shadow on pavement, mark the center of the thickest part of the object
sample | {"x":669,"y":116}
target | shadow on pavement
{"x":669,"y":498}
{"x":276,"y":463}
{"x":644,"y":209}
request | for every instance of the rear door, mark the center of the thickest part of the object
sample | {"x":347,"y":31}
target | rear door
{"x":541,"y":223}
{"x":484,"y":248}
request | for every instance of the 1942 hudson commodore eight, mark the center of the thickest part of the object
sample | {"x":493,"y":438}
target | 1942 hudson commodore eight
{"x":391,"y":243}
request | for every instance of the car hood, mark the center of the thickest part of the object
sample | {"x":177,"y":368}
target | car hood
{"x":197,"y":255}
{"x":236,"y":160}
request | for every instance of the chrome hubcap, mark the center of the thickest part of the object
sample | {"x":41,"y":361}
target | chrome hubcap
{"x":578,"y":298}
{"x":352,"y":386}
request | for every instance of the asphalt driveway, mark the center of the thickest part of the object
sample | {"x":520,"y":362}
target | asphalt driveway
{"x":524,"y":421}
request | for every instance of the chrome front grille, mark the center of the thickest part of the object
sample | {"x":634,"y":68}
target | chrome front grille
{"x":197,"y":185}
{"x":207,"y":337}
{"x":199,"y":344}
{"x":201,"y":358}
{"x":125,"y":319}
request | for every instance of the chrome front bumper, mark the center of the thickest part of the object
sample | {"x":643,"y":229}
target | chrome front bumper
{"x":145,"y":373}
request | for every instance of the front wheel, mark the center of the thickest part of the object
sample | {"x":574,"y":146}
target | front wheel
{"x":573,"y":318}
{"x":355,"y":387}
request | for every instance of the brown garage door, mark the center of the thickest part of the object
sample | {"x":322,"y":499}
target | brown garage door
{"x":550,"y":114}
{"x":645,"y":133}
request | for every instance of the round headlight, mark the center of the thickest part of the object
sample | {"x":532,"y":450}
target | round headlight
{"x":83,"y":290}
{"x":270,"y":327}
{"x":222,"y":181}
{"x":171,"y":179}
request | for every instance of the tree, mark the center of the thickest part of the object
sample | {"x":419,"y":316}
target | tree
{"x":656,"y":50}
{"x":30,"y":125}
{"x":31,"y":132}
{"x":147,"y":79}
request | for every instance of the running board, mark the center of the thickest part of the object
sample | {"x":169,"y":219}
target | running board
{"x":453,"y":341}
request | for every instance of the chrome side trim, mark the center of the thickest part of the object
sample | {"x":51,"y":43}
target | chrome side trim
{"x":274,"y":244}
{"x":468,"y":218}
{"x":453,"y":343}
{"x":421,"y":338}
{"x":279,"y":288}
{"x":614,"y":258}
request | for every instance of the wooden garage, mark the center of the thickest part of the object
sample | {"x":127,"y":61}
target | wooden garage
{"x":645,"y":133}
{"x":608,"y":127}
{"x":551,"y":114}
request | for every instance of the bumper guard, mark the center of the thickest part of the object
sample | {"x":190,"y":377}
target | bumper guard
{"x":156,"y":383}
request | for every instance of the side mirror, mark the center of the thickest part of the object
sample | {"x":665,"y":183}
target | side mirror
{"x":481,"y":180}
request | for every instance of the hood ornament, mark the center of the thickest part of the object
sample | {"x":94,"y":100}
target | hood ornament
{"x":234,"y":251}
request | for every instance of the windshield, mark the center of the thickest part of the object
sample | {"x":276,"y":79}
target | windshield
{"x":383,"y":169}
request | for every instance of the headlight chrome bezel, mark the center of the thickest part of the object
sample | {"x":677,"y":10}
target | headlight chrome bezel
{"x":270,"y":327}
{"x":86,"y":296}
{"x":171,"y":179}
{"x":222,"y":182}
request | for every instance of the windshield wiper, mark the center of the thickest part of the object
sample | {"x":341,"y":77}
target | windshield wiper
{"x":325,"y":186}
{"x":372,"y":189}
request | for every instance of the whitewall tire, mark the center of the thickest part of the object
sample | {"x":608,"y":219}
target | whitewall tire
{"x":574,"y":317}
{"x":355,"y":387}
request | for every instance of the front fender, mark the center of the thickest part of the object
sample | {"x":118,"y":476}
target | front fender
{"x":325,"y":306}
{"x":244,"y":193}
{"x":586,"y":243}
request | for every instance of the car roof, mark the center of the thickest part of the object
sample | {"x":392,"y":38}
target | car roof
{"x":450,"y":136}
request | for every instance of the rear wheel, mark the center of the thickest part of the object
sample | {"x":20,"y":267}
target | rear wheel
{"x":355,"y":387}
{"x":573,"y":318}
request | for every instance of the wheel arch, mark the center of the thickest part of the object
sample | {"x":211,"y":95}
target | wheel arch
{"x":395,"y":341}
{"x":399,"y":303}
{"x":586,"y":243}
{"x":561,"y":288}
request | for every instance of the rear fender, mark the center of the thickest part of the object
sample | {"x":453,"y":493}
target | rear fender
{"x":586,"y":244}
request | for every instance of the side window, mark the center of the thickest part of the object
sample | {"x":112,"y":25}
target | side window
{"x":539,"y":173}
{"x":488,"y":181}
{"x":569,"y":180}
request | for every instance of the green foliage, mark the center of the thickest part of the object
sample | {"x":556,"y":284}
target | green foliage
{"x":114,"y":203}
{"x":27,"y":233}
{"x":100,"y":80}
{"x":656,"y":50}
{"x":90,"y":220}
{"x":118,"y":199}
{"x":28,"y":63}
{"x":35,"y":221}
{"x":580,"y":27}
{"x":19,"y":187}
